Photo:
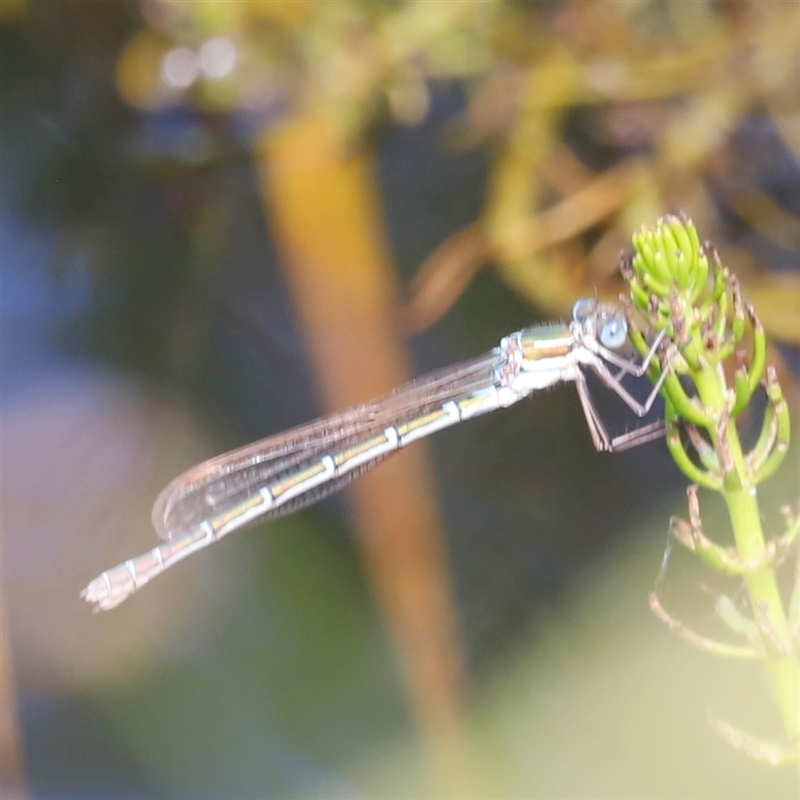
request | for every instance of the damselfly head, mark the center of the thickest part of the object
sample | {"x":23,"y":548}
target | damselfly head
{"x":603,"y":322}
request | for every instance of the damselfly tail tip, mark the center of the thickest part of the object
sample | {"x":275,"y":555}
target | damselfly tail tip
{"x":98,"y":595}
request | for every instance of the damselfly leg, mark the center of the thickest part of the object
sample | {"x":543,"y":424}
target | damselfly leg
{"x":643,"y":434}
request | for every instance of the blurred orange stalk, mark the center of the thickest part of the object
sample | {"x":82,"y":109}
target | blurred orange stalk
{"x":323,"y":210}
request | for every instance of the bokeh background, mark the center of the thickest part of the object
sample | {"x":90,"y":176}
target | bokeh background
{"x":221,"y":219}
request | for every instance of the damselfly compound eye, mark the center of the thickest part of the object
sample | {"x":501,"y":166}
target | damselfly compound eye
{"x":614,"y":333}
{"x":583,"y":309}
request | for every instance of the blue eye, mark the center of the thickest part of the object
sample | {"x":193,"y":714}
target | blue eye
{"x":614,"y":333}
{"x":583,"y":309}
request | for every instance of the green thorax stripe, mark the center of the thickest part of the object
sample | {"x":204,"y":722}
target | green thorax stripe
{"x":549,"y":341}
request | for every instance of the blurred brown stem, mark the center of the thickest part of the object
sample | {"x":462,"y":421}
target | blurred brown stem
{"x":323,"y":209}
{"x":449,"y":269}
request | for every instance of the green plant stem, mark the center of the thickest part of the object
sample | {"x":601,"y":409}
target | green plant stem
{"x":708,"y":329}
{"x":762,"y":587}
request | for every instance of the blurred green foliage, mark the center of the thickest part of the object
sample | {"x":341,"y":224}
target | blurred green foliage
{"x":598,"y":116}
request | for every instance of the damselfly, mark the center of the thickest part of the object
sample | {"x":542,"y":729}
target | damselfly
{"x":280,"y":474}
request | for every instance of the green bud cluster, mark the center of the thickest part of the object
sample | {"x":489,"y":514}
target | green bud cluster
{"x":678,"y":284}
